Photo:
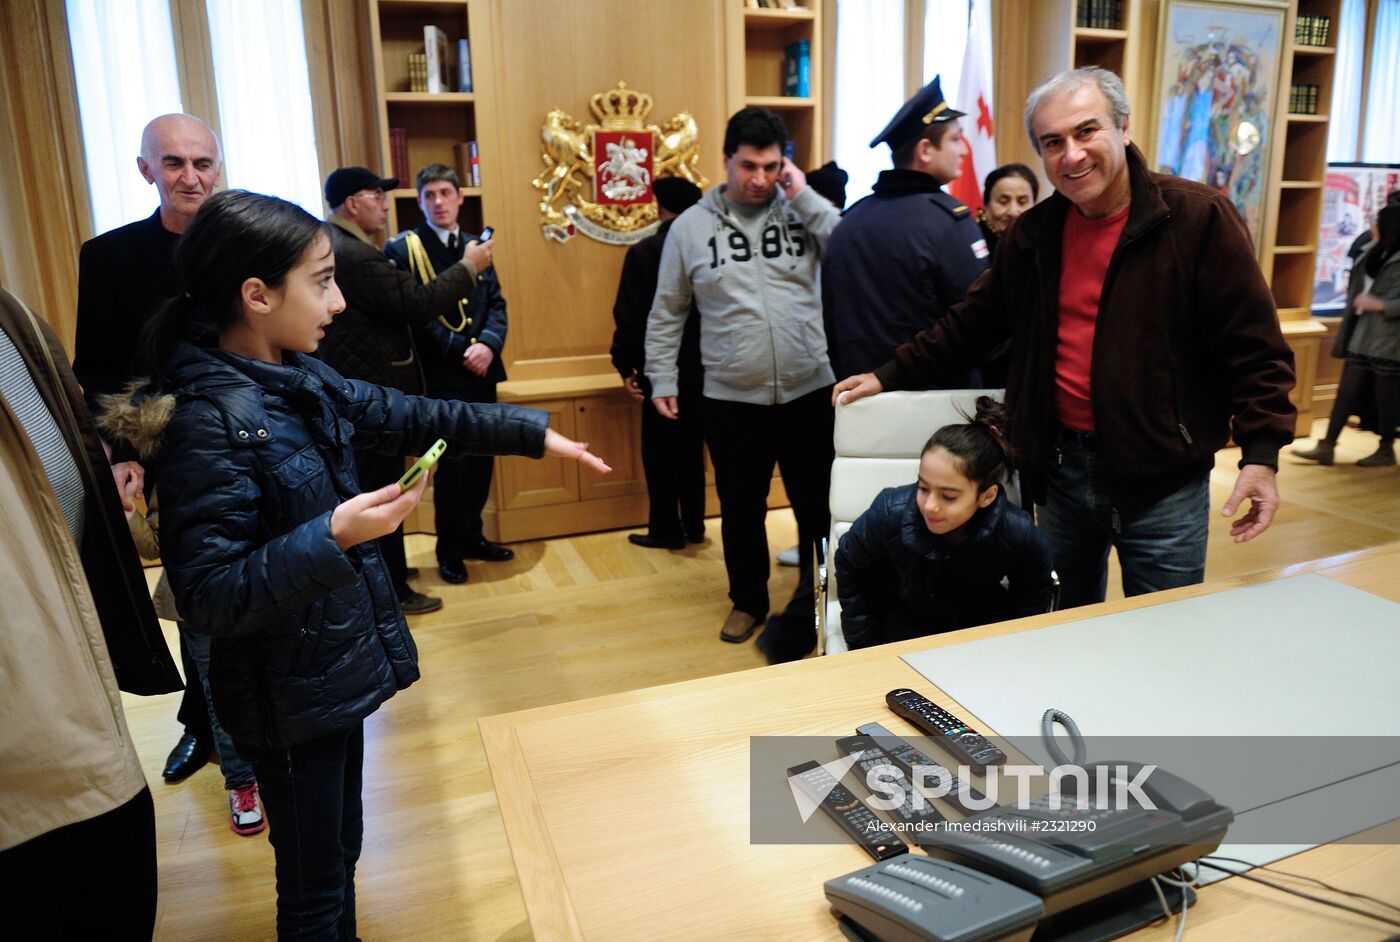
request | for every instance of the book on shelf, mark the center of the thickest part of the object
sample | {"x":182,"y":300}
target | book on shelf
{"x":797,"y":69}
{"x":1099,"y":14}
{"x":1302,"y":98}
{"x":435,"y":48}
{"x":464,"y":66}
{"x":1312,"y":30}
{"x":398,"y":153}
{"x":468,"y":161}
{"x":417,"y":72}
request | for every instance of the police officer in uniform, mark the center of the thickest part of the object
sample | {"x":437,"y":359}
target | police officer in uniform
{"x":461,"y":356}
{"x":907,"y":252}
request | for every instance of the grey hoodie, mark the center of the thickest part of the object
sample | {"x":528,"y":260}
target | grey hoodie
{"x":755,"y":279}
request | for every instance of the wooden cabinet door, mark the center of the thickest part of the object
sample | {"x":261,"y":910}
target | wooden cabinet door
{"x":524,"y":482}
{"x":612,"y":426}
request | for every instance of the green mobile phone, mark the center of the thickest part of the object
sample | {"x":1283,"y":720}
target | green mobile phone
{"x":421,"y":466}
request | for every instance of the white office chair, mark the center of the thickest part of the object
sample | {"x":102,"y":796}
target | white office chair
{"x":878,"y":440}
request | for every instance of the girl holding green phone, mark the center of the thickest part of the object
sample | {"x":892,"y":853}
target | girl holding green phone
{"x":270,"y":547}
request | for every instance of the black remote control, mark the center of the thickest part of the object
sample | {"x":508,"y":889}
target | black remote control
{"x":954,"y":736}
{"x":858,"y":821}
{"x":909,"y":758}
{"x":917,"y":814}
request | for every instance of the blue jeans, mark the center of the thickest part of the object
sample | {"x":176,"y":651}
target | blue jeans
{"x":316,"y":825}
{"x":1160,"y":546}
{"x":237,"y":773}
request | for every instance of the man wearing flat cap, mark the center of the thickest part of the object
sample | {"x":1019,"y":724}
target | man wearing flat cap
{"x":370,"y":340}
{"x":907,"y":252}
{"x":673,"y":452}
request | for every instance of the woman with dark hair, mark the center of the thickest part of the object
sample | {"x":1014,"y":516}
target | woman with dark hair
{"x":1009,"y":191}
{"x":1370,"y":340}
{"x":932,"y":556}
{"x":270,"y":547}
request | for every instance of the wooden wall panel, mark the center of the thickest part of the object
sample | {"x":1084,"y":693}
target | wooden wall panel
{"x":342,"y":83}
{"x":552,"y":55}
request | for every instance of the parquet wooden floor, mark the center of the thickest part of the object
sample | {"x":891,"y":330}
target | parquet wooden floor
{"x":571,"y":618}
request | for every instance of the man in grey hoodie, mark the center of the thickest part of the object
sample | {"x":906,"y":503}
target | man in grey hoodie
{"x":749,"y":254}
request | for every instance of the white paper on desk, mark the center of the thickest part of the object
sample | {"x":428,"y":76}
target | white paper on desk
{"x":1299,"y":657}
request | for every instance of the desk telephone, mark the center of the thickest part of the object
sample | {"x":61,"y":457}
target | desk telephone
{"x":1032,"y":853}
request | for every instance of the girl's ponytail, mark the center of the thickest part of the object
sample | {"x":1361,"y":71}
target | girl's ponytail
{"x":982,"y":447}
{"x":166,"y":327}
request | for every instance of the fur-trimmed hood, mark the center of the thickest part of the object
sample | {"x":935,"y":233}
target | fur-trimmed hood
{"x":137,"y":415}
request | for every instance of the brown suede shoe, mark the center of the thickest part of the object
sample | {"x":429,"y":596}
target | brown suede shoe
{"x":738,"y":627}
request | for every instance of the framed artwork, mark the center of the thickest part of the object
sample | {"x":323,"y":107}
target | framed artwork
{"x":1218,"y":78}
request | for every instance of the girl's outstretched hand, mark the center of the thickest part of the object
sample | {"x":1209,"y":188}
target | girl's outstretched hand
{"x":374,"y":514}
{"x":558,"y":445}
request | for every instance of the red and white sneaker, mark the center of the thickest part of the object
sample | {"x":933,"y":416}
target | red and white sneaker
{"x":245,"y":812}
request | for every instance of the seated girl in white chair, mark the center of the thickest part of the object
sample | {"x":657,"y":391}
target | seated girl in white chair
{"x":948,"y":551}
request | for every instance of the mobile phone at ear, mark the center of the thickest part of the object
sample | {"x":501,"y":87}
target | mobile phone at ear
{"x":421,"y":466}
{"x":486,"y":234}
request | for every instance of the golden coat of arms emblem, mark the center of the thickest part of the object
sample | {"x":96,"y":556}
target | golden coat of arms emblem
{"x":597,"y":178}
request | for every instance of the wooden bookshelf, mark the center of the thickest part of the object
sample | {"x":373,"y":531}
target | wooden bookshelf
{"x":757,"y":39}
{"x":435,"y":123}
{"x":1299,"y":167}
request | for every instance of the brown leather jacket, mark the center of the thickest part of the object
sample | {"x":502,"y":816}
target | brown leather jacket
{"x":1187,"y":348}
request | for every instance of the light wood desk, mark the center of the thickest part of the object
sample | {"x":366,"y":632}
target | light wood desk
{"x":628,"y":814}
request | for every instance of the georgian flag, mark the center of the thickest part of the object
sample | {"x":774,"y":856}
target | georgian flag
{"x":975,"y":97}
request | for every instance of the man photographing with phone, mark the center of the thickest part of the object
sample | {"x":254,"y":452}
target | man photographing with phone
{"x":461,"y":359}
{"x":370,"y":340}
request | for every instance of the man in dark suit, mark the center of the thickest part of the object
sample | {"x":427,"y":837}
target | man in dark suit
{"x":461,"y":357}
{"x":673,"y":452}
{"x":124,"y":276}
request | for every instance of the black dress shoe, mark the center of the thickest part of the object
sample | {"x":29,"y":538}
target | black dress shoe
{"x":695,"y":536}
{"x":188,"y":756}
{"x":491,"y":552}
{"x":454,"y":573}
{"x":651,"y":542}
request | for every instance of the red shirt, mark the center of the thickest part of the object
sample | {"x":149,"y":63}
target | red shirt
{"x":1088,"y":246}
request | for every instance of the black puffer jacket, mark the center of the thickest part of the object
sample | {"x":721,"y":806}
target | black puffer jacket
{"x":897,"y":580}
{"x":308,"y":639}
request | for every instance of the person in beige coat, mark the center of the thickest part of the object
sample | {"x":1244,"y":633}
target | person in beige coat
{"x":77,"y":826}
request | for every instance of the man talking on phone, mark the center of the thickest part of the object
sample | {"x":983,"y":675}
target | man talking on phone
{"x":461,"y":356}
{"x":749,"y":254}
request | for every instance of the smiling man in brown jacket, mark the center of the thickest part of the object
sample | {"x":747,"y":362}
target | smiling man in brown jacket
{"x":1143,"y":335}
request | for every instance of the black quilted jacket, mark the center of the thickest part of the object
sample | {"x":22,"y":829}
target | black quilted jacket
{"x":308,"y":638}
{"x":370,"y":339}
